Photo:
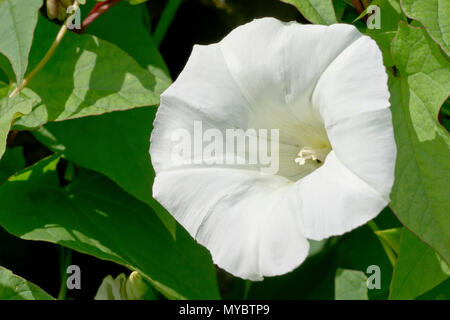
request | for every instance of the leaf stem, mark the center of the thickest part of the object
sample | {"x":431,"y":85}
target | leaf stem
{"x":166,"y":19}
{"x":373,"y":225}
{"x":62,"y":32}
{"x":387,"y":248}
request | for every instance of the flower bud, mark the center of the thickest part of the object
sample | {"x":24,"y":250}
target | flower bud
{"x":136,"y":287}
{"x":61,"y":12}
{"x":52,"y":8}
{"x":122,"y":288}
{"x":112,"y":289}
{"x":58,"y":8}
{"x":66,"y":3}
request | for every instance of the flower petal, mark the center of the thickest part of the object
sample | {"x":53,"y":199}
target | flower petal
{"x":352,"y":97}
{"x":355,"y":82}
{"x":365,"y":144}
{"x":204,"y":91}
{"x":332,"y":200}
{"x":239,"y":215}
{"x":277,"y":65}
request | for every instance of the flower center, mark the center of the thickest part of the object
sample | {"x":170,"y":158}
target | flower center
{"x":308,"y":153}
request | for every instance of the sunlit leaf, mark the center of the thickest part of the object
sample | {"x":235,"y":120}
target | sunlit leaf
{"x":10,"y":109}
{"x":18,"y":20}
{"x":350,"y":285}
{"x":434,"y":15}
{"x":422,"y":179}
{"x":316,"y":11}
{"x":87,"y":76}
{"x":418,"y":269}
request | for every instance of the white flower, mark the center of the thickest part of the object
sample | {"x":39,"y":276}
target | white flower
{"x":325,"y":89}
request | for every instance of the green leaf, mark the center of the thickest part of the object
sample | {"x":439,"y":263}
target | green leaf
{"x":10,"y":109}
{"x":316,"y":11}
{"x":88,"y":76}
{"x":390,"y":15}
{"x":115,"y":27}
{"x":13,"y":287}
{"x":422,"y":179}
{"x":350,"y":285}
{"x":441,"y":292}
{"x":350,"y":16}
{"x":136,"y":2}
{"x":18,"y":20}
{"x":339,"y":8}
{"x":434,"y":15}
{"x":314,"y":279}
{"x":419,"y":269}
{"x":12,"y":162}
{"x":94,"y":216}
{"x":115,"y":144}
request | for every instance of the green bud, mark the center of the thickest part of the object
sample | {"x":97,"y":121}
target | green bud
{"x":52,"y":9}
{"x":112,"y":289}
{"x":136,"y":287}
{"x":61,"y":12}
{"x":66,"y":3}
{"x":122,"y":288}
{"x":135,"y":2}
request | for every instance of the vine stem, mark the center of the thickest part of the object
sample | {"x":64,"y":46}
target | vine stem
{"x":65,"y":258}
{"x":366,"y":3}
{"x":248,"y":285}
{"x":62,"y":32}
{"x":166,"y":19}
{"x":358,"y":6}
{"x":97,"y":11}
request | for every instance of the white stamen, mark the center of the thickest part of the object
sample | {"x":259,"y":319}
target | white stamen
{"x":308,"y":153}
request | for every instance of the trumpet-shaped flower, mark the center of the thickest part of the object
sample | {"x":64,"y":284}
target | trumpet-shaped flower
{"x":324,"y":88}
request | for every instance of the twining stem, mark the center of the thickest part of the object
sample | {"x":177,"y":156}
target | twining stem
{"x":387,"y":248}
{"x":62,"y":32}
{"x":65,"y":257}
{"x":248,"y":285}
{"x":164,"y":22}
{"x":365,"y":3}
{"x":97,"y":11}
{"x":358,"y":6}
